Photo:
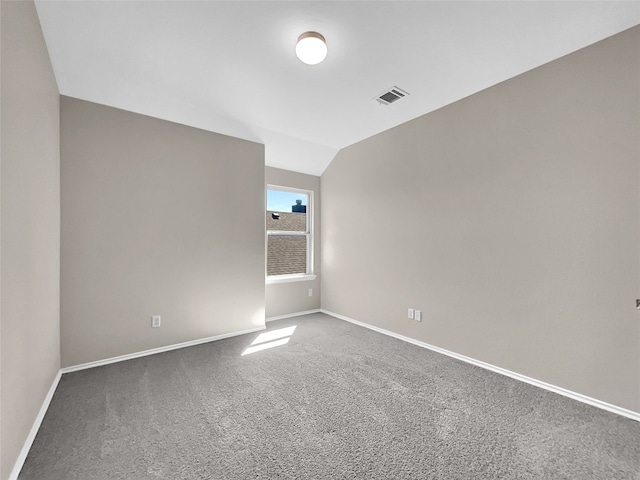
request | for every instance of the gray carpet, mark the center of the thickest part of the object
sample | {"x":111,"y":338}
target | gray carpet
{"x":336,"y":402}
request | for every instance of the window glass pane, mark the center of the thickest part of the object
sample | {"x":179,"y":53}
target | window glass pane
{"x":286,"y":254}
{"x":281,"y":201}
{"x":287,"y":222}
{"x":287,"y":211}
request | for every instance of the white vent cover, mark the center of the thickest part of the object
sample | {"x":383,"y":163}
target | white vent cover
{"x":391,"y":95}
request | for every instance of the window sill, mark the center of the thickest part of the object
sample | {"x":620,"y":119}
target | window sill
{"x":290,"y":278}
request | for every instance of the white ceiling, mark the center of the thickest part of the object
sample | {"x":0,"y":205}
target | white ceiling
{"x":230,"y":67}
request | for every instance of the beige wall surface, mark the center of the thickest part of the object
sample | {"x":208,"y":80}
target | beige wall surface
{"x":157,"y":219}
{"x":510,"y":218}
{"x":30,"y":244}
{"x":287,"y":298}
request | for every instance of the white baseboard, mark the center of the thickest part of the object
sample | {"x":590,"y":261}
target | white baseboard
{"x":290,"y":315}
{"x":153,"y":351}
{"x":532,"y":381}
{"x":34,"y":429}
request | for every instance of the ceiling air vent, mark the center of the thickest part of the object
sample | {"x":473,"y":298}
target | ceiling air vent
{"x":391,"y":95}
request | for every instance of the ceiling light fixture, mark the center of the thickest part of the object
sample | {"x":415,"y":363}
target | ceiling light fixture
{"x":311,"y":48}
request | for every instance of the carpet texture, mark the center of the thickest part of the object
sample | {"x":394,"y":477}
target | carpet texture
{"x":337,"y":401}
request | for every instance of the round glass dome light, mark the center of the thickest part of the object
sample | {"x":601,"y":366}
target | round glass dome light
{"x":311,"y":48}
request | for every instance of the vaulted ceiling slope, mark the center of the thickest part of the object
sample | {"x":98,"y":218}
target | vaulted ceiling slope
{"x":230,"y":67}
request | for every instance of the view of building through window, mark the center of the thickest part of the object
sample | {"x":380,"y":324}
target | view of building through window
{"x":288,"y":232}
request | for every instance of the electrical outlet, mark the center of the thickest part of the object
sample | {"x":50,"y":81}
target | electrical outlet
{"x":410,"y":313}
{"x":311,"y":292}
{"x":417,"y":316}
{"x":155,"y":321}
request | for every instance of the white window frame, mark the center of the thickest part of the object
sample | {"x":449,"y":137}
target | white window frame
{"x":298,"y":277}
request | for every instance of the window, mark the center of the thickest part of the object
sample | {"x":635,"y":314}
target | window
{"x":289,"y":234}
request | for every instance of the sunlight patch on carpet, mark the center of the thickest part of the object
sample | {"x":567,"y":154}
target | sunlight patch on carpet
{"x":270,"y":339}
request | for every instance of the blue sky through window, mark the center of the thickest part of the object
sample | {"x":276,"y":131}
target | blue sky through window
{"x":278,"y":201}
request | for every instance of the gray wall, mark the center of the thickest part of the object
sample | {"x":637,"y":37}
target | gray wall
{"x":30,"y":226}
{"x":286,"y":298}
{"x":157,"y":219}
{"x":510,"y":218}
